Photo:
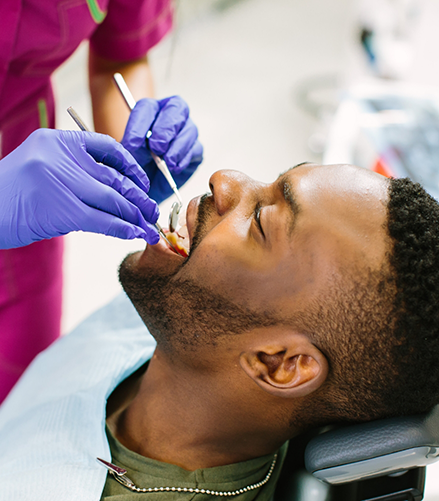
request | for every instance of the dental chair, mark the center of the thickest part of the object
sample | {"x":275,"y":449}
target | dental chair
{"x":382,"y":460}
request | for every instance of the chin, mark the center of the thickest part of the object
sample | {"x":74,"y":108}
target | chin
{"x":147,"y":279}
{"x":146,"y":275}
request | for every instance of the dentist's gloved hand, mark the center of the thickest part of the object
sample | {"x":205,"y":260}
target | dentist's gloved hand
{"x":174,"y":138}
{"x":52,"y":184}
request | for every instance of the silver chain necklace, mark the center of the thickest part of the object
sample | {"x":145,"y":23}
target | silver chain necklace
{"x":120,"y":475}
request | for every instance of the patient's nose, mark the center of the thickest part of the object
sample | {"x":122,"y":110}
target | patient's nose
{"x":227,"y":187}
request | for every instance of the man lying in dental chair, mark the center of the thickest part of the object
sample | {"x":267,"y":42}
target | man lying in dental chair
{"x":307,"y":301}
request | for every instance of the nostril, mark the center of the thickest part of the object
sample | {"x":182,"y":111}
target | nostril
{"x":211,"y":188}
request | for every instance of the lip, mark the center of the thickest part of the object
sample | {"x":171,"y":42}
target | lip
{"x":163,"y":247}
{"x":191,"y":217}
{"x":159,"y":256}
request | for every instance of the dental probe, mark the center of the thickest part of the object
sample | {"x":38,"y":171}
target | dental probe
{"x":161,"y":164}
{"x":80,"y":123}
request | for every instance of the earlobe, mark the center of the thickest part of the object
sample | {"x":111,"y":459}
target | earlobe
{"x":286,"y":372}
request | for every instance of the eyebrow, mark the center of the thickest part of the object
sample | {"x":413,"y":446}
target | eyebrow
{"x":282,"y":174}
{"x":286,"y":188}
{"x":298,"y":165}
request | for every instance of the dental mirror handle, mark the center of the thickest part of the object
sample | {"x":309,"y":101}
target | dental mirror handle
{"x":163,"y":168}
{"x":161,"y":164}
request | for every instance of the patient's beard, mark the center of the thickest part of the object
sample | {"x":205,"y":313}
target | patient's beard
{"x":180,"y":313}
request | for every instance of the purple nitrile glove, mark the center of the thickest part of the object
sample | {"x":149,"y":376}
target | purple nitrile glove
{"x":53,"y":184}
{"x":174,"y":138}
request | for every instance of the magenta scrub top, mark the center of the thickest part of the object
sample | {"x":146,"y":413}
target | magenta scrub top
{"x":36,"y":36}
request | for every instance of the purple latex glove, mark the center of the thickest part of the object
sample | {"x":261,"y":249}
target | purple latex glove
{"x":174,"y":138}
{"x":52,"y":184}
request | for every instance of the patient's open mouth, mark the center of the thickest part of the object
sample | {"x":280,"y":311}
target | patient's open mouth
{"x":179,"y":238}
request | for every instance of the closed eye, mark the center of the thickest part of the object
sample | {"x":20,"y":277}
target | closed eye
{"x":257,"y":217}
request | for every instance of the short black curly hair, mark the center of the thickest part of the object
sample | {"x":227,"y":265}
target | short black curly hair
{"x":380,"y":328}
{"x":413,"y":225}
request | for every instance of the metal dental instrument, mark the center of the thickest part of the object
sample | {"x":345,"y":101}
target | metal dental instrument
{"x":80,"y":123}
{"x":163,"y":235}
{"x":161,"y":164}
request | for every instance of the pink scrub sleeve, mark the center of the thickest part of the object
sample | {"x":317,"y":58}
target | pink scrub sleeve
{"x":36,"y":36}
{"x":130,"y":29}
{"x":30,"y":311}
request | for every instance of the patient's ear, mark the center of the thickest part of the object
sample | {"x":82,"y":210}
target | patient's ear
{"x":292,"y":367}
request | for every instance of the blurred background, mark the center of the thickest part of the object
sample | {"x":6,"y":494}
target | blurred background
{"x":271,"y":84}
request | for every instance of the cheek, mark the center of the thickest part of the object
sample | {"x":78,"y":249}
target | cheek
{"x":221,"y":267}
{"x":249,"y":277}
{"x":228,"y":249}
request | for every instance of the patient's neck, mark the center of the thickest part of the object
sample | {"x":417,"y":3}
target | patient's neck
{"x":179,"y":417}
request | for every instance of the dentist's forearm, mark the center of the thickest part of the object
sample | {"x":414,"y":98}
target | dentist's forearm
{"x":110,"y":113}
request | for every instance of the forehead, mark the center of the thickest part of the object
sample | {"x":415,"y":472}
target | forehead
{"x":338,"y":181}
{"x":343,"y":203}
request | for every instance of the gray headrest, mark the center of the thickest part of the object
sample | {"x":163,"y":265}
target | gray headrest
{"x":375,"y":448}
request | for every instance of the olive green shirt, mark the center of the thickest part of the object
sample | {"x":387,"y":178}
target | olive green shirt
{"x":145,"y":473}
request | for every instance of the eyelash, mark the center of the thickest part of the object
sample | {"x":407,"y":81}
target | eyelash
{"x":257,"y":217}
